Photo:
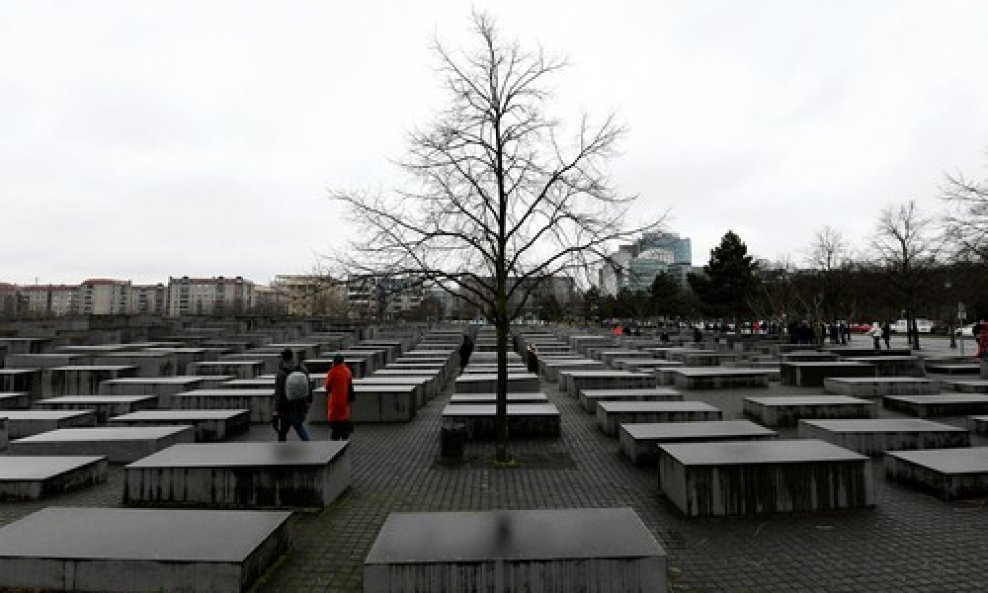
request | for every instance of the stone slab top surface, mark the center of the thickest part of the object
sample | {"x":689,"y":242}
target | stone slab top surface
{"x":892,"y":357}
{"x":882,"y":425}
{"x":391,"y":372}
{"x":245,"y":454}
{"x":491,"y":410}
{"x":670,"y":430}
{"x":139,"y":534}
{"x":96,"y":399}
{"x":405,"y":380}
{"x":227,"y":393}
{"x":42,"y":414}
{"x":91,"y":434}
{"x":481,"y":397}
{"x":172,"y":415}
{"x":591,"y":393}
{"x":881,"y":380}
{"x":380,"y":387}
{"x":135,"y":354}
{"x":954,"y":365}
{"x":942,"y":398}
{"x":482,"y":536}
{"x":485,"y":377}
{"x":808,"y":400}
{"x":756,"y":452}
{"x":972,"y":382}
{"x":228,"y":362}
{"x":604,"y":373}
{"x":39,"y":467}
{"x":6,"y":371}
{"x":719,"y":371}
{"x":178,"y":380}
{"x":76,"y":368}
{"x":823,"y":364}
{"x":961,"y":460}
{"x":652,"y":406}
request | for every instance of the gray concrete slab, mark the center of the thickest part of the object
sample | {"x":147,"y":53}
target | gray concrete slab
{"x":105,"y":406}
{"x":260,"y":402}
{"x":83,"y":379}
{"x":966,"y":385}
{"x":162,"y":387}
{"x":487,"y":383}
{"x":16,"y":400}
{"x":880,"y":386}
{"x":949,"y":474}
{"x":26,"y":380}
{"x":34,"y":477}
{"x":788,"y":410}
{"x":210,"y":425}
{"x":611,"y":414}
{"x":119,"y":445}
{"x":944,"y":404}
{"x":22,"y":423}
{"x":373,"y":403}
{"x":240,"y":369}
{"x":524,"y":420}
{"x":639,"y":442}
{"x":714,"y":377}
{"x":812,"y":374}
{"x":524,"y":397}
{"x":592,"y":550}
{"x":874,"y":437}
{"x":140,"y":550}
{"x":590,"y":397}
{"x":292,"y":474}
{"x":759,"y":477}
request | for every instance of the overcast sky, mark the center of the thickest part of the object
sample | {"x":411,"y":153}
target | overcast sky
{"x":146,"y":139}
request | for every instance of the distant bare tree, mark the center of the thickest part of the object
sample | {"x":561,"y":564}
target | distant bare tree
{"x":966,"y":222}
{"x":907,"y":250}
{"x":499,"y":200}
{"x":830,"y":256}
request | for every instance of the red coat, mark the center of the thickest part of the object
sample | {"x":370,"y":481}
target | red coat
{"x":337,"y":386}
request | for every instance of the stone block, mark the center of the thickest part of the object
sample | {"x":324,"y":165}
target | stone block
{"x":140,"y":550}
{"x":587,"y":550}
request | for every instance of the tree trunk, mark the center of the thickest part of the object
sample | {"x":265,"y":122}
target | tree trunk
{"x":501,"y":411}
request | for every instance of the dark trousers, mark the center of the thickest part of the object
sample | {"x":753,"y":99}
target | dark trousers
{"x":289,"y":421}
{"x":340,"y":430}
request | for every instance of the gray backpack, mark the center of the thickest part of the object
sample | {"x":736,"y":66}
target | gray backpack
{"x":296,"y":386}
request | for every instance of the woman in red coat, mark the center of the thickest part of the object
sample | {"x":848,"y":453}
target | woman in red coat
{"x":339,"y":394}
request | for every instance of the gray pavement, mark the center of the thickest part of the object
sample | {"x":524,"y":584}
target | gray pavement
{"x":908,"y":542}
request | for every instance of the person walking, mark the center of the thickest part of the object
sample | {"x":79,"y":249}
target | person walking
{"x":339,"y":395}
{"x":532,"y":359}
{"x":876,"y":335}
{"x":466,"y":349}
{"x":292,"y":397}
{"x":887,"y":334}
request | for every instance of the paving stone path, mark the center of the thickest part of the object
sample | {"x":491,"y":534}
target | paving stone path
{"x":908,"y":542}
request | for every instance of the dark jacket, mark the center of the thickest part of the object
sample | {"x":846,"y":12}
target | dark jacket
{"x":300,"y":407}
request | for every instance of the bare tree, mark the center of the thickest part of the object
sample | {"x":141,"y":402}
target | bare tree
{"x":498,"y":200}
{"x":907,"y":251}
{"x":966,"y":222}
{"x":829,"y":255}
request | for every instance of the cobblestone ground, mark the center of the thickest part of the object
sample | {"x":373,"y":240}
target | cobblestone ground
{"x":908,"y":542}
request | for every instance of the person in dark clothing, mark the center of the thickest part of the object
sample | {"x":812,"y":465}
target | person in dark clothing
{"x":886,"y":334}
{"x":532,"y":359}
{"x":466,"y":349}
{"x":290,"y":413}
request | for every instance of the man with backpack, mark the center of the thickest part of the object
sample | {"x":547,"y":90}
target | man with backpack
{"x":292,"y":397}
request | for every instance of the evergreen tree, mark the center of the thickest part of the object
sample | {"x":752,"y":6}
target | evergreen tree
{"x":667,"y":297}
{"x":728,"y":280}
